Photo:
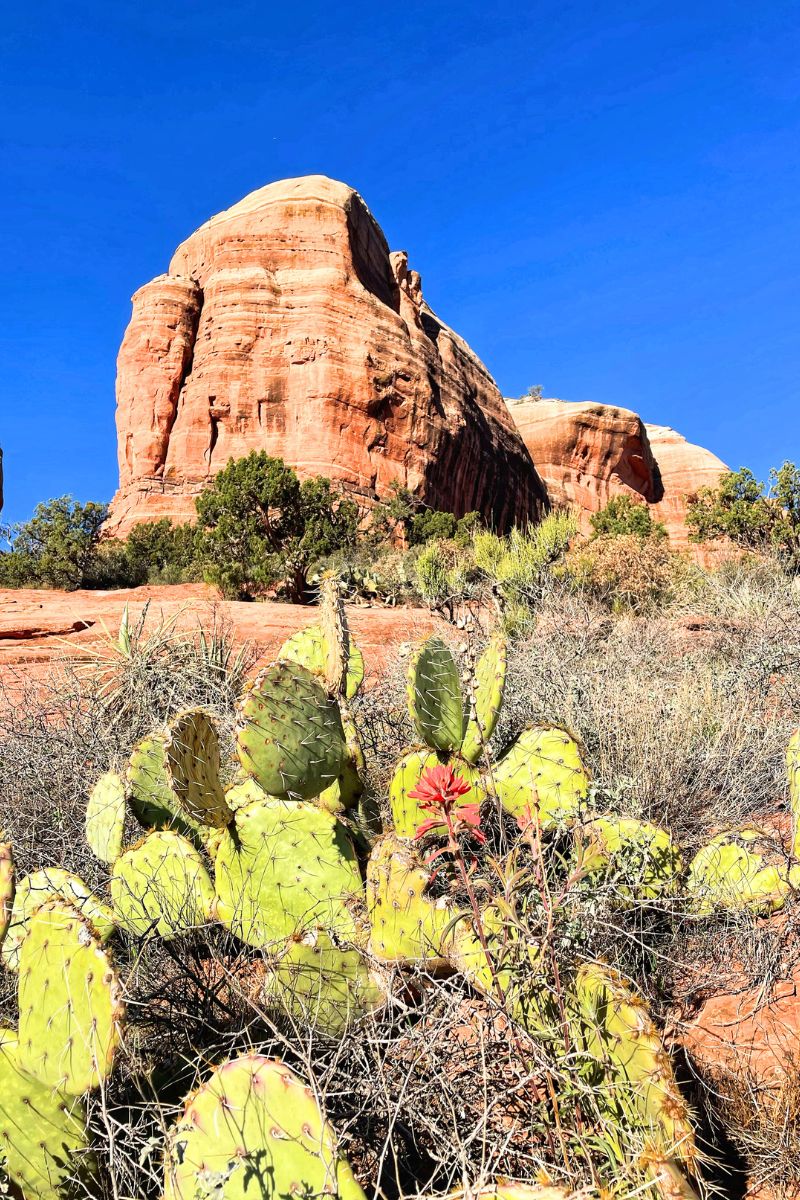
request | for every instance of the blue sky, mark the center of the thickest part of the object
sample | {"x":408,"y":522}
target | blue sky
{"x":602,"y":198}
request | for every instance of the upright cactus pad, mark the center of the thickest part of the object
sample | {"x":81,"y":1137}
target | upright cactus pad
{"x":283,"y":867}
{"x":43,"y":1139}
{"x":542,"y":777}
{"x":434,"y":697}
{"x":407,"y":925}
{"x":740,"y":871}
{"x":255,"y":1131}
{"x":161,"y":886}
{"x":70,"y":1005}
{"x":793,"y":771}
{"x":639,"y":859}
{"x":348,"y":787}
{"x":636,"y":1083}
{"x":193,"y":761}
{"x":105,"y":817}
{"x":335,"y":637}
{"x":322,"y":985}
{"x":47,"y":884}
{"x":6,"y":887}
{"x":407,"y":813}
{"x":289,"y":735}
{"x":487,"y":697}
{"x":308,"y":649}
{"x":153,"y":800}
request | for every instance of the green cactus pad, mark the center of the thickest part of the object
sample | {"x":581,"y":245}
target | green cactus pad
{"x":348,"y":788}
{"x":740,"y":871}
{"x":640,"y":859}
{"x":153,"y":801}
{"x":283,"y":867}
{"x":255,"y":1131}
{"x":70,"y":1005}
{"x":635,"y":1080}
{"x":407,"y":926}
{"x":6,"y":887}
{"x":289,"y":736}
{"x":43,"y":1139}
{"x":322,"y":985}
{"x":490,"y":681}
{"x":434,"y":697}
{"x":245,"y":791}
{"x":193,"y":762}
{"x":407,"y":813}
{"x":793,"y":771}
{"x":542,"y":776}
{"x":307,"y":648}
{"x":48,"y":884}
{"x":161,"y":886}
{"x":105,"y":817}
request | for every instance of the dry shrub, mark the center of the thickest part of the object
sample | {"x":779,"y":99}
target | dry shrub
{"x":626,"y":571}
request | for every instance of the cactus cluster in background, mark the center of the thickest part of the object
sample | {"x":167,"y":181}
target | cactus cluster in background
{"x":263,"y":847}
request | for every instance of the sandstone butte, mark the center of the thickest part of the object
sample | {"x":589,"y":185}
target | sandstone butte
{"x":286,"y":324}
{"x":586,"y":453}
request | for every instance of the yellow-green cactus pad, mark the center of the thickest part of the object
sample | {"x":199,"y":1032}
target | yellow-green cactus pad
{"x":284,"y":867}
{"x":307,"y":648}
{"x":70,"y":1002}
{"x":793,"y":771}
{"x":542,"y":778}
{"x":161,"y":886}
{"x":6,"y":886}
{"x":255,"y":1131}
{"x":407,"y":925}
{"x":153,"y":800}
{"x":245,"y":791}
{"x":43,"y":1139}
{"x":105,"y":817}
{"x":434,"y":697}
{"x":322,"y":985}
{"x":48,"y":884}
{"x":407,"y":813}
{"x":740,"y":871}
{"x":289,"y":734}
{"x":490,"y":681}
{"x":348,"y":788}
{"x":639,"y":859}
{"x":193,"y":762}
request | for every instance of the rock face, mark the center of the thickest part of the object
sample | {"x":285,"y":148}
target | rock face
{"x":586,"y":453}
{"x":285,"y":324}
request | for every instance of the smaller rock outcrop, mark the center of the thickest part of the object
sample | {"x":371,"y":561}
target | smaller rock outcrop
{"x":684,"y":469}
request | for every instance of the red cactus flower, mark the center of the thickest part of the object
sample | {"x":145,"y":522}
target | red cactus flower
{"x":439,"y":791}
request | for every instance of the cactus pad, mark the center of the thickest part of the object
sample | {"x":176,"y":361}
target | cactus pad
{"x":740,"y":871}
{"x":161,"y":886}
{"x":70,"y":1006}
{"x":193,"y":762}
{"x":793,"y":771}
{"x":152,"y":799}
{"x":6,"y":887}
{"x":407,"y":926}
{"x":105,"y":817}
{"x":322,"y":985}
{"x":542,"y":776}
{"x":640,"y":859}
{"x":283,"y":867}
{"x":307,"y":648}
{"x":255,"y":1131}
{"x":489,"y":685}
{"x":48,"y":884}
{"x":43,"y":1140}
{"x":290,"y":736}
{"x":407,"y":813}
{"x":348,"y":788}
{"x":434,"y":697}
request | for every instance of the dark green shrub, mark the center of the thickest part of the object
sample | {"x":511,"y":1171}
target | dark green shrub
{"x":623,"y":516}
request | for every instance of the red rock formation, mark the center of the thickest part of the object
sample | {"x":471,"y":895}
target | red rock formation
{"x":684,"y":469}
{"x":285,"y":324}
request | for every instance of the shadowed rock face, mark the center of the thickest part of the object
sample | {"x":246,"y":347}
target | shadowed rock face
{"x":285,"y":324}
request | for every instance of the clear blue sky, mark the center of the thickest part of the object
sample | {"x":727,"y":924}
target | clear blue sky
{"x":602,"y":198}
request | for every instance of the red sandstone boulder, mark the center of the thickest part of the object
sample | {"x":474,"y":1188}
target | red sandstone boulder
{"x":684,"y":469}
{"x":286,"y":325}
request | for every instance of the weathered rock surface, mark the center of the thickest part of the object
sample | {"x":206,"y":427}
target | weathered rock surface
{"x":586,"y":453}
{"x":285,"y":324}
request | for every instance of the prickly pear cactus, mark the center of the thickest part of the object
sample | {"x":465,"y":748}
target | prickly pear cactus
{"x":255,"y":1131}
{"x":740,"y":871}
{"x":640,"y":860}
{"x":407,"y":812}
{"x":152,"y":798}
{"x":193,"y":762}
{"x":43,"y":1139}
{"x":348,"y":788}
{"x":407,"y":925}
{"x":47,"y":884}
{"x":105,"y":817}
{"x":70,"y":1002}
{"x":542,"y":778}
{"x":487,"y":698}
{"x":244,"y":791}
{"x":283,"y":867}
{"x":434,"y":697}
{"x":793,"y":770}
{"x":322,"y":985}
{"x":6,"y":887}
{"x":161,"y":886}
{"x":289,"y":735}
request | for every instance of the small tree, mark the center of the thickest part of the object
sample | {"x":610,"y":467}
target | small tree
{"x":261,"y":528}
{"x":750,"y":514}
{"x":623,"y":516}
{"x":57,"y":548}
